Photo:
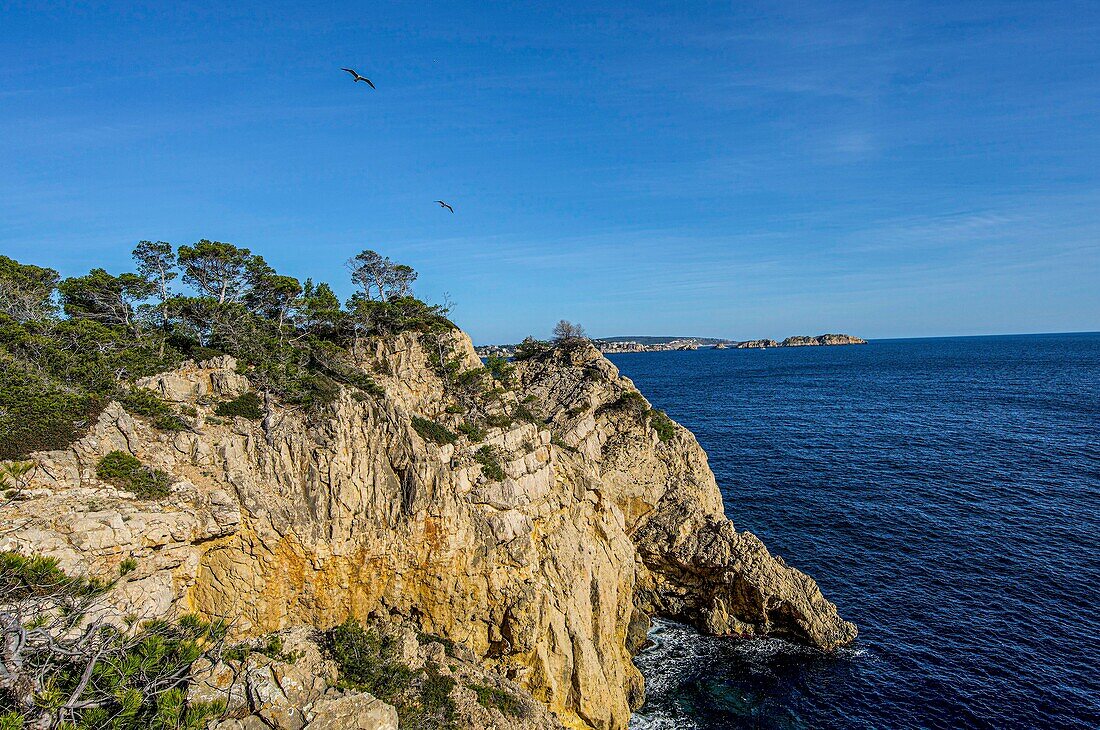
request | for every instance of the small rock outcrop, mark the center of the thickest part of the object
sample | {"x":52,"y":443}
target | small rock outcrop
{"x":839,"y":340}
{"x":756,"y":344}
{"x":539,"y":543}
{"x":803,"y":341}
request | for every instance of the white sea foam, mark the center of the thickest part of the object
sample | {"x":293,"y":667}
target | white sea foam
{"x":676,"y":651}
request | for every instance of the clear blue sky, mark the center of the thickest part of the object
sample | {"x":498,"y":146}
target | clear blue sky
{"x":727,"y":169}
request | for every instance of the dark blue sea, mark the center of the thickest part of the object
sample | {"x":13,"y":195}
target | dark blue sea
{"x":945,"y":493}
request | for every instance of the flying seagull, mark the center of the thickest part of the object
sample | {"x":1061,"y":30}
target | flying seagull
{"x":444,"y":205}
{"x":357,"y":77}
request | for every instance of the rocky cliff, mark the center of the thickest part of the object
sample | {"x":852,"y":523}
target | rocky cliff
{"x":539,"y":542}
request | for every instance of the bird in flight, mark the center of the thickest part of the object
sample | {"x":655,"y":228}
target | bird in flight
{"x":444,"y":205}
{"x":357,"y":77}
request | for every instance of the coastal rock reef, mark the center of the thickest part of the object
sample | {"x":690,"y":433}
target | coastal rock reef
{"x":507,"y":534}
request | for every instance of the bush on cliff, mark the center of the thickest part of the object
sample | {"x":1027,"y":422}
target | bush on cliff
{"x":530,"y":347}
{"x":499,"y":368}
{"x":665,"y":427}
{"x":39,"y":413}
{"x":489,"y":458}
{"x":246,"y":405}
{"x":127,"y":472}
{"x":369,"y":661}
{"x":506,"y":702}
{"x":432,"y":431}
{"x":63,"y":669}
{"x":144,"y":402}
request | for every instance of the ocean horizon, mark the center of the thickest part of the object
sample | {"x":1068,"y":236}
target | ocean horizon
{"x":944,"y":492}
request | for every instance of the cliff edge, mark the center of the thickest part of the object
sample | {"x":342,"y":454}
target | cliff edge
{"x":536,"y":517}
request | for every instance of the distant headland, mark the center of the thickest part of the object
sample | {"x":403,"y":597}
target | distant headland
{"x":662,"y":344}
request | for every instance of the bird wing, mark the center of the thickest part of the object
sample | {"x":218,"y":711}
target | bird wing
{"x":448,"y":207}
{"x":368,"y":82}
{"x":351,"y":71}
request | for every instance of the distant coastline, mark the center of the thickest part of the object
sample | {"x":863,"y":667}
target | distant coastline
{"x":612,"y":345}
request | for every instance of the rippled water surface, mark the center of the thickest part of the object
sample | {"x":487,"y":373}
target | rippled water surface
{"x":945,"y":493}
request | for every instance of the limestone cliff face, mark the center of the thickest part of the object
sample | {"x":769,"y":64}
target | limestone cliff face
{"x":546,"y":576}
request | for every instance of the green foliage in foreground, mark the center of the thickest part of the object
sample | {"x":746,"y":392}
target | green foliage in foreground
{"x":67,"y":672}
{"x":432,"y":431}
{"x":23,"y":577}
{"x":127,"y":472}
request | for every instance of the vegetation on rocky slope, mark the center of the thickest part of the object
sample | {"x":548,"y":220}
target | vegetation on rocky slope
{"x":68,"y":346}
{"x":369,"y":660}
{"x":66,"y":664}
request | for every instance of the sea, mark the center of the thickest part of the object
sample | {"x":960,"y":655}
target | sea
{"x":944,"y":493}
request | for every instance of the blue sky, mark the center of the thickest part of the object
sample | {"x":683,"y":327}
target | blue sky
{"x":725,"y":169}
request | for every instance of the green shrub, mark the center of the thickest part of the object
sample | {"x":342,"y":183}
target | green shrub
{"x":38,"y":413}
{"x":454,"y":408}
{"x":498,"y":420}
{"x":24,"y":577}
{"x":472,"y":431}
{"x":530,"y":347}
{"x":144,"y":402}
{"x":128,"y":565}
{"x":630,"y":400}
{"x":664,"y":425}
{"x":270,"y":646}
{"x":522,"y":413}
{"x":472,"y":379}
{"x":367,"y":661}
{"x":432,"y":431}
{"x":246,"y":405}
{"x":202,"y":354}
{"x":489,"y":458}
{"x":506,"y":702}
{"x":138,"y":679}
{"x":556,"y":440}
{"x":499,"y":368}
{"x":127,"y":472}
{"x":11,"y":721}
{"x":331,"y":361}
{"x":435,"y":701}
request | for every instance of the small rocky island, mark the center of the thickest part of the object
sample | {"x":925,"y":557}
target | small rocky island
{"x":803,"y":341}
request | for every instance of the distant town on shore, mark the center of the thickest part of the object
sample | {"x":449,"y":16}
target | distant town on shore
{"x":611,"y":345}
